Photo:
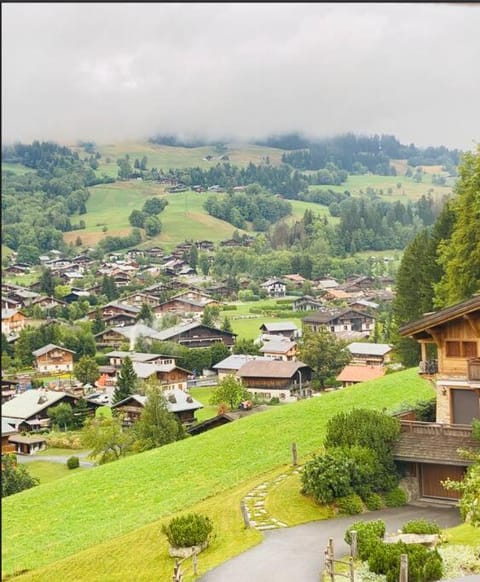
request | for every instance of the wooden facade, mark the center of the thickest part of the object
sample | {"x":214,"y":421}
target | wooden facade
{"x":53,"y":359}
{"x":430,"y":450}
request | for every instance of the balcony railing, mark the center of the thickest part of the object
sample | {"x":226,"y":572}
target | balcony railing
{"x":428,"y":367}
{"x":460,"y":431}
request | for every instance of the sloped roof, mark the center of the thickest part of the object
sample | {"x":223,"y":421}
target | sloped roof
{"x":137,"y":356}
{"x":278,"y":346}
{"x":170,"y":332}
{"x":26,"y":404}
{"x":8,"y":428}
{"x":236,"y":361}
{"x":49,"y":348}
{"x":433,"y":448}
{"x":270,"y":369}
{"x":279,"y":326}
{"x":360,"y":373}
{"x":368,"y":349}
{"x":440,"y":317}
{"x":183,"y":400}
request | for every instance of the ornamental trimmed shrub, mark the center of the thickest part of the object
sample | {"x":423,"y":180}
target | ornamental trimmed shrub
{"x":369,"y":534}
{"x":73,"y":462}
{"x":350,"y":505}
{"x":424,"y":565}
{"x":420,"y":526}
{"x":395,"y":498}
{"x":373,"y":502}
{"x":188,"y":530}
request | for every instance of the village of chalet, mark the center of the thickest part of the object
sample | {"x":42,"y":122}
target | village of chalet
{"x":346,"y":308}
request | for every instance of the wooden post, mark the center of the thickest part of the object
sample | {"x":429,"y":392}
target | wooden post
{"x":294,"y":454}
{"x":195,"y":564}
{"x":244,"y":514}
{"x":353,"y":544}
{"x":352,"y":570}
{"x":403,"y":568}
{"x":331,"y":559}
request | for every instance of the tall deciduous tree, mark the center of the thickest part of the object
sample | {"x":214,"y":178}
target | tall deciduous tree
{"x":230,"y":392}
{"x":157,"y":426}
{"x":126,"y":382}
{"x":324,"y":353}
{"x":86,"y":370}
{"x":106,"y":438}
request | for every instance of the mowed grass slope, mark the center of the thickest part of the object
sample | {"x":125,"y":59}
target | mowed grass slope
{"x":84,"y":509}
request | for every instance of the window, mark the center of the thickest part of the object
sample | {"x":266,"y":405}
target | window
{"x":458,"y":349}
{"x":452,"y":349}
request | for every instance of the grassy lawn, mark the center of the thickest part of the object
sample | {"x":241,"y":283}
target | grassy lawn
{"x":118,"y":498}
{"x":464,"y":534}
{"x":16,"y":168}
{"x":249,"y":328}
{"x":287,"y":504}
{"x":47,"y":471}
{"x":203,"y":395}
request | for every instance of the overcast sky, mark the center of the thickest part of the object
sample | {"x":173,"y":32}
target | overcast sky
{"x":110,"y":72}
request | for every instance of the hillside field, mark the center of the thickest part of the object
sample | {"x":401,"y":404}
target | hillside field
{"x":88,"y":509}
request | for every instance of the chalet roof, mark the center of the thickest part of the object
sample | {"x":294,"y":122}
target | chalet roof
{"x":270,"y":369}
{"x":365,"y":303}
{"x":27,"y":439}
{"x":124,"y":306}
{"x":183,"y":400}
{"x":133,"y":332}
{"x":7,"y":313}
{"x":236,"y":361}
{"x":432,"y":448}
{"x":31,"y":402}
{"x":145,"y":369}
{"x":49,"y":348}
{"x":175,"y":330}
{"x":279,"y":326}
{"x":360,"y":373}
{"x":277,"y":346}
{"x":7,"y":427}
{"x":440,"y":317}
{"x":137,"y":356}
{"x":272,"y":282}
{"x":368,"y":349}
{"x":328,"y":316}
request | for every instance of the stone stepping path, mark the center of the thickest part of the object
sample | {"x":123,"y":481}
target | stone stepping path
{"x":254,"y":501}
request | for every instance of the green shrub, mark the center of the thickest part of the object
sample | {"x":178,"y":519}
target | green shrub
{"x":274,"y":400}
{"x":395,"y":498}
{"x":229,"y":307}
{"x":420,"y":526}
{"x":188,"y":530}
{"x":373,"y":501}
{"x":369,"y":533}
{"x":350,"y":505}
{"x":73,"y":462}
{"x":424,"y":565}
{"x":327,"y":477}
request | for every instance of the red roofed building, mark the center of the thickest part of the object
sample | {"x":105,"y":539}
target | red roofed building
{"x":355,"y":374}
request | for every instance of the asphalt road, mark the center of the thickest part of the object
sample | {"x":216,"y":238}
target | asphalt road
{"x":296,"y":553}
{"x":57,"y":459}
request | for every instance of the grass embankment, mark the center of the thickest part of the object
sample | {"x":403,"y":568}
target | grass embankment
{"x":203,"y":396}
{"x":46,"y":471}
{"x":85,"y":509}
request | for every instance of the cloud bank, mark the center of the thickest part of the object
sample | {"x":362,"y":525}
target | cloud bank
{"x":111,"y":72}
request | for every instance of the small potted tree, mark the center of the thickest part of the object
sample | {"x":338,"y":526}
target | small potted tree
{"x":188,"y":534}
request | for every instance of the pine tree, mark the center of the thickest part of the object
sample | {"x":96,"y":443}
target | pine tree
{"x":460,"y":254}
{"x":226,"y":325}
{"x":126,"y":381}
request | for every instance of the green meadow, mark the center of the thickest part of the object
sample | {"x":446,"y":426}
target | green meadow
{"x":408,"y":190}
{"x":93,"y":507}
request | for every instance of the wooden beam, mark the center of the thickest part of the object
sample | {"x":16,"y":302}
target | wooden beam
{"x":475,"y":325}
{"x":435,"y":335}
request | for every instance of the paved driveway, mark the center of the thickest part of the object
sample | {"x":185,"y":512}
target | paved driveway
{"x":57,"y":459}
{"x":296,"y":553}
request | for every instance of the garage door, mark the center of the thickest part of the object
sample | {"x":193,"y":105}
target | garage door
{"x":432,"y":475}
{"x":465,"y":406}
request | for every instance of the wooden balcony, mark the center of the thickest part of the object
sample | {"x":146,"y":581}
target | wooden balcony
{"x":461,"y":431}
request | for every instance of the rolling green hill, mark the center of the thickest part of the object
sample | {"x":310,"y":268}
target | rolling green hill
{"x":82,"y":510}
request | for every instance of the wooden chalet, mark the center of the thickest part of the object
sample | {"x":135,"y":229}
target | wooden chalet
{"x":429,"y":451}
{"x":13,"y":321}
{"x":274,"y":287}
{"x":307,"y":303}
{"x":341,"y":321}
{"x":279,"y":348}
{"x":52,"y":358}
{"x":357,"y":374}
{"x":7,"y":431}
{"x":280,"y":329}
{"x":285,"y":380}
{"x":196,"y":335}
{"x":179,"y":403}
{"x":370,"y":354}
